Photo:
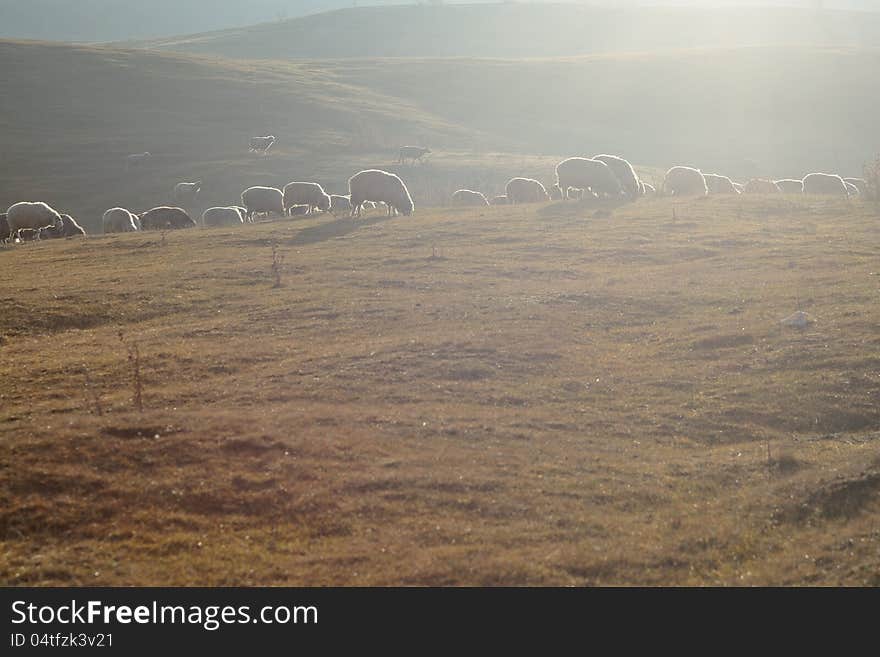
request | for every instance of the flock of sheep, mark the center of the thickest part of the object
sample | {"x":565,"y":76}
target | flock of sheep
{"x":609,"y":176}
{"x":601,"y":176}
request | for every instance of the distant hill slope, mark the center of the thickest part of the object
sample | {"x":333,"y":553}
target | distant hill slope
{"x":526,"y":30}
{"x":77,"y":111}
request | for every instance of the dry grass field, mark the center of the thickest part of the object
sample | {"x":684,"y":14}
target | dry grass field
{"x":556,"y":394}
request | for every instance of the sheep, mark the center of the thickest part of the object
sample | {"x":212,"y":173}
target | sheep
{"x":120,"y":220}
{"x":261,"y":144}
{"x":136,"y":159}
{"x":585,"y":173}
{"x":377,"y":185}
{"x":309,"y":194}
{"x":34,"y":215}
{"x":4,"y":229}
{"x":501,"y":199}
{"x":790,"y":186}
{"x":859,"y":184}
{"x":340,"y":204}
{"x":69,"y":227}
{"x":185,"y":193}
{"x":298,"y":210}
{"x":525,"y":190}
{"x":824,"y":183}
{"x":852,"y":190}
{"x":718,"y":184}
{"x":685,"y":181}
{"x":263,"y":200}
{"x":760,"y":186}
{"x":624,"y":173}
{"x":414,"y":153}
{"x":50,"y":232}
{"x":222,"y":216}
{"x":468,"y":197}
{"x":165,"y":217}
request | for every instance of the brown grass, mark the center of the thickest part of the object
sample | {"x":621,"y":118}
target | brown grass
{"x":525,"y":395}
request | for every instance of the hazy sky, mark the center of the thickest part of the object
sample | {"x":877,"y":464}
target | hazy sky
{"x":113,"y":20}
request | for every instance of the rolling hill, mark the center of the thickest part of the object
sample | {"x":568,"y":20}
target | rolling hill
{"x":748,"y":111}
{"x":526,"y":30}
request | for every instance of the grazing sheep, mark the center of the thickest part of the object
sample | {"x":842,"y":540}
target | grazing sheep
{"x":414,"y":153}
{"x":625,"y":174}
{"x":525,"y":190}
{"x":859,"y":183}
{"x":501,"y":199}
{"x":263,"y":200}
{"x":165,"y":217}
{"x":310,"y":194}
{"x":790,"y":186}
{"x":468,"y":197}
{"x":185,"y":193}
{"x":340,"y":204}
{"x":555,"y":192}
{"x":760,"y":186}
{"x":261,"y":144}
{"x":4,"y":229}
{"x":852,"y":190}
{"x":69,"y":227}
{"x":298,"y":210}
{"x":648,"y":189}
{"x":34,"y":215}
{"x":379,"y":186}
{"x":136,"y":159}
{"x":685,"y":181}
{"x":222,"y":216}
{"x":587,"y":174}
{"x":718,"y":184}
{"x":824,"y":183}
{"x":50,"y":233}
{"x":120,"y":220}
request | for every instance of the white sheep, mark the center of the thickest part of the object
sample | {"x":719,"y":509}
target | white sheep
{"x":415,"y":153}
{"x":310,"y":194}
{"x":685,"y":181}
{"x":824,"y":183}
{"x":185,"y":193}
{"x":790,"y":186}
{"x":587,"y":174}
{"x":223,"y":216}
{"x":136,"y":159}
{"x":859,"y":184}
{"x":263,"y":200}
{"x":261,"y":144}
{"x":525,"y":190}
{"x":31,"y":215}
{"x":379,"y":186}
{"x":718,"y":184}
{"x":120,"y":220}
{"x":761,"y":186}
{"x":624,"y":173}
{"x":340,"y":204}
{"x":468,"y":197}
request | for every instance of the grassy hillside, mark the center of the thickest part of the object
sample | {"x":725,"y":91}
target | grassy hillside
{"x":77,"y":111}
{"x":527,"y":30}
{"x":555,"y":394}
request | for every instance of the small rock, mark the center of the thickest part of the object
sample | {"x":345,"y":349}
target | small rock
{"x":798,"y":320}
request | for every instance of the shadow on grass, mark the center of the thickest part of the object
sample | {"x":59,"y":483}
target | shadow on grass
{"x":336,"y":228}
